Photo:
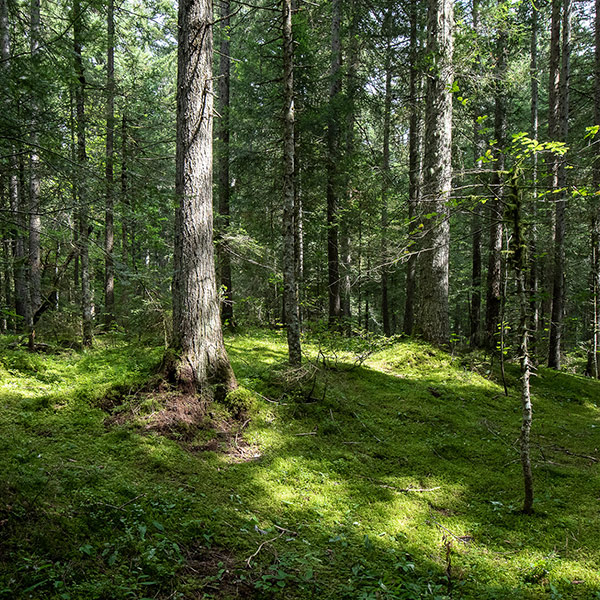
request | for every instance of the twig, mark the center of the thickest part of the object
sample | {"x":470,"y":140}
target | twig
{"x":249,"y":559}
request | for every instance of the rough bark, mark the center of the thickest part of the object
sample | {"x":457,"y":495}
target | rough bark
{"x":109,"y":232}
{"x":124,"y":192}
{"x":494,"y":293}
{"x":414,"y":165}
{"x":224,"y":185}
{"x":87,"y":306}
{"x":558,"y":276}
{"x":196,"y":361}
{"x":35,"y":219}
{"x":385,"y":177}
{"x":432,"y":317}
{"x":289,"y":262}
{"x":333,"y":260}
{"x":476,"y":221}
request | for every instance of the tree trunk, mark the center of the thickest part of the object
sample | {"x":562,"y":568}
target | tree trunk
{"x":35,"y":219}
{"x":494,"y":275}
{"x":333,"y":261}
{"x":290,"y":288}
{"x":196,"y":361}
{"x":432,"y":317}
{"x":558,"y":284}
{"x":521,"y":265}
{"x":109,"y":233}
{"x":595,"y":238}
{"x":125,"y":204}
{"x":224,"y":186}
{"x":476,"y":221}
{"x":385,"y":176}
{"x":87,"y":306}
{"x":414,"y":166}
{"x":534,"y":270}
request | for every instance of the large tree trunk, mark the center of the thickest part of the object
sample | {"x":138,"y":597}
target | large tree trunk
{"x":414,"y":165}
{"x":494,"y":290}
{"x":35,"y":219}
{"x":290,"y":289}
{"x":224,"y":186}
{"x":196,"y":360}
{"x":432,"y":317}
{"x":109,"y":233}
{"x":558,"y":283}
{"x":87,"y":305}
{"x":333,"y":260}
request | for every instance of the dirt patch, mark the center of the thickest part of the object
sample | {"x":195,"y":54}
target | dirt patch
{"x":216,"y":572}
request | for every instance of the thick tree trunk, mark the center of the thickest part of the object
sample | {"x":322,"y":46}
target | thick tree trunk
{"x":35,"y":219}
{"x":494,"y":291}
{"x":432,"y":317}
{"x":109,"y":232}
{"x":333,"y":260}
{"x":558,"y":287}
{"x":224,"y":186}
{"x":414,"y":165}
{"x":87,"y":305}
{"x":196,"y":360}
{"x":289,"y":256}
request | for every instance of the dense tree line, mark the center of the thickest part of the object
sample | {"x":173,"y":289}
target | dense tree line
{"x":367,"y":157}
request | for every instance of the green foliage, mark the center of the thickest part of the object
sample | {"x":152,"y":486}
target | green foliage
{"x":240,"y":401}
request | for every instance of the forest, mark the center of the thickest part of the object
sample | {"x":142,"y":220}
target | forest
{"x":300,"y":299}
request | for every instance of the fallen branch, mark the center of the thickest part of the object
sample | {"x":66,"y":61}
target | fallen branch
{"x":249,"y":559}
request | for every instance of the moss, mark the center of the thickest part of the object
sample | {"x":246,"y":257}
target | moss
{"x":240,"y":401}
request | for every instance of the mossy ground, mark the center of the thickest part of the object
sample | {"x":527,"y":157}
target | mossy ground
{"x":318,"y":502}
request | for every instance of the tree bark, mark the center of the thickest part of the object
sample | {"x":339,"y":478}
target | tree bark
{"x":534,"y":270}
{"x":558,"y":283}
{"x":414,"y":166}
{"x":594,"y":358}
{"x":87,"y":306}
{"x":35,"y":219}
{"x":290,"y":289}
{"x":476,"y":221}
{"x":333,"y":260}
{"x":520,"y":262}
{"x":196,"y":361}
{"x":224,"y":185}
{"x":432,"y":317}
{"x":386,"y":175}
{"x":109,"y":233}
{"x":496,"y":211}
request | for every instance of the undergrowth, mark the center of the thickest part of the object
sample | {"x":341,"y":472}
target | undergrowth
{"x":377,"y":471}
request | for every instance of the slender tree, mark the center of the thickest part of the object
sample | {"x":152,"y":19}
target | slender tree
{"x":432,"y":317}
{"x":414,"y":162}
{"x":290,"y":290}
{"x":496,"y":206}
{"x":224,"y":184}
{"x":558,"y":278}
{"x":87,"y":306}
{"x":333,"y":142}
{"x":35,"y":219}
{"x":109,"y":232}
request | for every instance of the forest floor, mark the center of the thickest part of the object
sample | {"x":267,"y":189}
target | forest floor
{"x":391,"y":474}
